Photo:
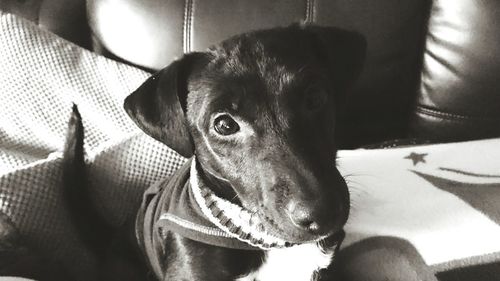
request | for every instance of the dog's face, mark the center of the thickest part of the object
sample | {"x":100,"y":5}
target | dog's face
{"x":259,"y":112}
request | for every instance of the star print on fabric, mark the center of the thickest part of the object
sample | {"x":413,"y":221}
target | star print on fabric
{"x":416,"y":158}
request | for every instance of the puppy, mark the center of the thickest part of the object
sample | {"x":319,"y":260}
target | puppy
{"x":260,"y":197}
{"x":257,"y":115}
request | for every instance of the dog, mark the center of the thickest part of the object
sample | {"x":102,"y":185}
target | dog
{"x":260,"y":197}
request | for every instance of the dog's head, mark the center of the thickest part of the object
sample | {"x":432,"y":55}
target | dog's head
{"x":259,"y":111}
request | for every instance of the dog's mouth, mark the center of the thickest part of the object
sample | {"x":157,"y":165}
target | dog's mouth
{"x":271,"y":226}
{"x":236,"y":221}
{"x":254,"y":228}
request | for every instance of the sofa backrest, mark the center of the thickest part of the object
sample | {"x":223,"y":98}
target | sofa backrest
{"x":152,"y":33}
{"x":431,"y":70}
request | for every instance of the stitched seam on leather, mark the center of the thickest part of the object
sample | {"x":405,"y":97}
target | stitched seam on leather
{"x":450,"y":116}
{"x":191,"y":20}
{"x":188,"y":25}
{"x":312,"y":11}
{"x":306,"y":15}
{"x":184,"y":26}
{"x":309,"y":17}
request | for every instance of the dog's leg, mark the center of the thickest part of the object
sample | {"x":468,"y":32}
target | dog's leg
{"x":94,"y":231}
{"x":117,"y":258}
{"x":382,"y":258}
{"x":186,"y":259}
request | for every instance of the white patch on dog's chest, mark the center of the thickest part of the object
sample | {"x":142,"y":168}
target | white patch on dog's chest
{"x":297,"y":263}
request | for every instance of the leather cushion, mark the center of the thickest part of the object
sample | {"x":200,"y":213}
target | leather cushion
{"x":460,"y":90}
{"x":66,"y":18}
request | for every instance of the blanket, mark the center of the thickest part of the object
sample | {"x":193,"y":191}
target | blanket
{"x":426,"y":212}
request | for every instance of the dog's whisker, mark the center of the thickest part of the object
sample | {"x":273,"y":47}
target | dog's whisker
{"x":354,"y":207}
{"x":234,"y":198}
{"x":355,"y":185}
{"x":355,"y":193}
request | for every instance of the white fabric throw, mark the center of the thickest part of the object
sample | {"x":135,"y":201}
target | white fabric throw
{"x":444,"y":199}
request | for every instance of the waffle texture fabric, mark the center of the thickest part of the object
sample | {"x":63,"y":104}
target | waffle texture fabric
{"x":41,"y":76}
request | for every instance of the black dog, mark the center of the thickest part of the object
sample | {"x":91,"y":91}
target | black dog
{"x":262,"y":198}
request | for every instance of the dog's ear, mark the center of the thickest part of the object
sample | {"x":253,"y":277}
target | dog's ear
{"x":345,"y":52}
{"x":158,"y":106}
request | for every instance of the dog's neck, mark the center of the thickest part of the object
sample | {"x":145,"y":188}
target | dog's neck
{"x":282,"y":260}
{"x":233,"y":219}
{"x":218,"y":186}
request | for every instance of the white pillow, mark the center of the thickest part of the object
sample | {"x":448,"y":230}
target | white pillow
{"x":41,"y":75}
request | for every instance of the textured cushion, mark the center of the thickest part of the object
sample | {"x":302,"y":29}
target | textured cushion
{"x":460,"y":90}
{"x":41,"y":76}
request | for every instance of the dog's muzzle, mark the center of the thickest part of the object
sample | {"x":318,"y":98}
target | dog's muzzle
{"x":238,"y":222}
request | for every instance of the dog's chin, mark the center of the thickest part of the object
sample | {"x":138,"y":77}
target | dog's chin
{"x":292,"y":234}
{"x":295,"y":236}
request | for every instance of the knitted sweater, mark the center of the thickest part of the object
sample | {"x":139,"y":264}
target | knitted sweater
{"x":184,"y":205}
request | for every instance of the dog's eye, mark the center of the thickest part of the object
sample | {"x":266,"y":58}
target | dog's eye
{"x":315,"y":100}
{"x":225,"y":125}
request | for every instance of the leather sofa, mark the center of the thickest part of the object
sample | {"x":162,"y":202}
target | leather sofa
{"x":66,"y":18}
{"x":431,"y":71}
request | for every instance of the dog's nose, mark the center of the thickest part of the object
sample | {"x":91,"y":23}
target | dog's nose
{"x":308,"y":217}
